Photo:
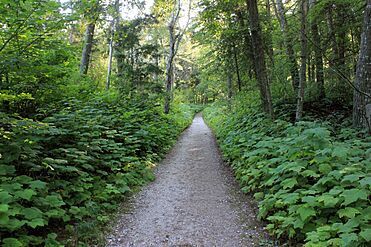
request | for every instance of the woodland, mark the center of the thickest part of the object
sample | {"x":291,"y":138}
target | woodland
{"x":94,"y":93}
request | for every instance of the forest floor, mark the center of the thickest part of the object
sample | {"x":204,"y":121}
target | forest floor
{"x":194,"y":201}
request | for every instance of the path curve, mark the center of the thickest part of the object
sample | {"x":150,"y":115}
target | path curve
{"x":194,"y":201}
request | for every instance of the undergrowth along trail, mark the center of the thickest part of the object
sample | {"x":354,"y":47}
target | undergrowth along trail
{"x":313,"y":185}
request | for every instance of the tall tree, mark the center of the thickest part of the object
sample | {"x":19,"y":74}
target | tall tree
{"x":362,"y":92}
{"x":280,"y":12}
{"x":303,"y":60}
{"x":92,"y":16}
{"x":317,"y":53}
{"x":174,"y":41}
{"x":259,"y":61}
{"x":114,"y":23}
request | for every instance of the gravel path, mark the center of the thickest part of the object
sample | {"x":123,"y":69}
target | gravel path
{"x":194,"y":201}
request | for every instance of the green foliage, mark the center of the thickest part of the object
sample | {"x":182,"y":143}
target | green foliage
{"x":78,"y":163}
{"x":312,"y":187}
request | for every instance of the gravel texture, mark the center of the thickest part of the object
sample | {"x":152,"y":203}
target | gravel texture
{"x":194,"y":201}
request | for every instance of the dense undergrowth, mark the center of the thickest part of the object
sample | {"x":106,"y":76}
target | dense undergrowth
{"x":58,"y":176}
{"x":312,"y":182}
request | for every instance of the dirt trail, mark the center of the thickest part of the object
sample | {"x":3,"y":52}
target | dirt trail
{"x":194,"y":201}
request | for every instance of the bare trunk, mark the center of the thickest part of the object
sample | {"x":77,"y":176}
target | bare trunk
{"x":270,"y":33}
{"x":289,"y":44}
{"x":170,"y":60}
{"x":318,"y":56}
{"x":303,"y":58}
{"x":88,"y":46}
{"x":229,"y":84}
{"x":362,"y":94}
{"x":260,"y":67}
{"x":248,"y":43}
{"x":237,"y":69}
{"x":174,"y":42}
{"x":115,"y":20}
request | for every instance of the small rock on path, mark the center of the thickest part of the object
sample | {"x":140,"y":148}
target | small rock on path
{"x":194,"y":201}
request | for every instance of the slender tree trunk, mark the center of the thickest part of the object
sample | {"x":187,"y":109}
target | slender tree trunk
{"x":260,"y":66}
{"x":88,"y":46}
{"x":229,"y":84}
{"x":115,"y":20}
{"x":362,"y":94}
{"x":280,"y":11}
{"x":248,"y":43}
{"x":270,"y":33}
{"x":169,"y":64}
{"x":237,"y":69}
{"x":318,"y":55}
{"x":303,"y":58}
{"x":174,"y":42}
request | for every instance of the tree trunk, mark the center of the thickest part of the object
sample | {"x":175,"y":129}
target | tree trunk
{"x":318,"y":56}
{"x":170,"y":60}
{"x":229,"y":84}
{"x":174,"y":41}
{"x":289,"y":45}
{"x":115,"y":20}
{"x":303,"y":58}
{"x":270,"y":33}
{"x":260,"y":67}
{"x":248,"y":43}
{"x":362,"y":93}
{"x":237,"y":69}
{"x":88,"y":46}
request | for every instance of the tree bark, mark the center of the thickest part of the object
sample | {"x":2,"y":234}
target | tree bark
{"x":260,"y":66}
{"x":115,"y":21}
{"x":289,"y":44}
{"x":303,"y":58}
{"x":270,"y":33}
{"x":169,"y":64}
{"x":174,"y":42}
{"x":362,"y":92}
{"x":88,"y":46}
{"x":237,"y":69}
{"x":318,"y":55}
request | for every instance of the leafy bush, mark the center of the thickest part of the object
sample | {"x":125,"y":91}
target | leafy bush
{"x":77,"y":163}
{"x":312,"y":187}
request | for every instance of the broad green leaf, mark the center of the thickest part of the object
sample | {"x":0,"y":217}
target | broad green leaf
{"x":36,"y":222}
{"x":15,"y":224}
{"x":365,"y":181}
{"x":348,"y":238}
{"x":11,"y":242}
{"x":4,"y":208}
{"x":32,"y":213}
{"x":351,"y":178}
{"x":289,"y":183}
{"x":336,"y":242}
{"x":324,"y":168}
{"x":366,"y":234}
{"x":55,"y":201}
{"x":353,"y":195}
{"x":306,"y":212}
{"x":37,"y":184}
{"x":348,"y":212}
{"x":5,"y":197}
{"x":4,"y":219}
{"x":6,"y":170}
{"x":25,"y":194}
{"x":328,"y":200}
{"x":340,"y":152}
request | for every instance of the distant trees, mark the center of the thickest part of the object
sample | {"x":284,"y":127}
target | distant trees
{"x":323,"y":37}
